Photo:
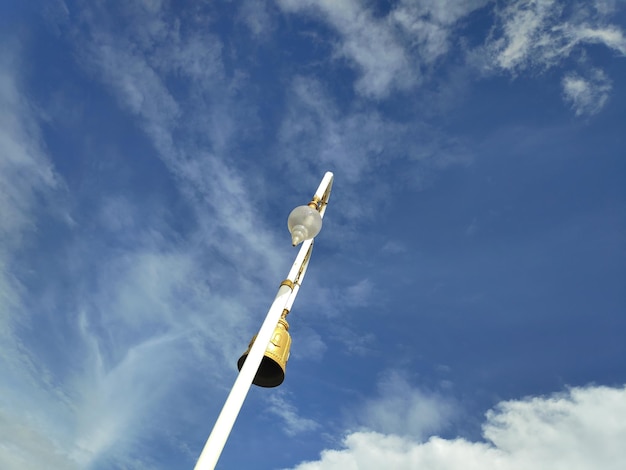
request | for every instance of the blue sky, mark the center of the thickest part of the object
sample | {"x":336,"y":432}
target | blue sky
{"x":465,"y":303}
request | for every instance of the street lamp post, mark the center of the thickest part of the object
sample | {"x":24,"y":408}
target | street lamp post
{"x":304,"y":224}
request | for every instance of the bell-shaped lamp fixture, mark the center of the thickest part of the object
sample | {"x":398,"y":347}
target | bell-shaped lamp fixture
{"x":271,"y":372}
{"x":304,"y":223}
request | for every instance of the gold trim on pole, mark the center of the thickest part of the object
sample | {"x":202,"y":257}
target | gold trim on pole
{"x":326,"y":195}
{"x":305,"y":261}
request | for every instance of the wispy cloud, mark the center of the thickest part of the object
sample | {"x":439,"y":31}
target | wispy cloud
{"x":428,"y":25}
{"x":256,"y":15}
{"x":25,"y":170}
{"x":360,"y":144}
{"x":284,"y":409}
{"x":368,"y":43}
{"x":391,"y":51}
{"x":135,"y":67}
{"x":402,"y":409}
{"x":586,"y":95}
{"x":310,"y":345}
{"x":342,"y":297}
{"x":151,"y":305}
{"x":540,"y":34}
{"x":156,"y":305}
{"x":115,"y":398}
{"x":121,"y":303}
{"x":350,"y":142}
{"x":394,"y":247}
{"x":395,"y":51}
{"x":24,"y":446}
{"x":580,"y":429}
{"x":27,"y":177}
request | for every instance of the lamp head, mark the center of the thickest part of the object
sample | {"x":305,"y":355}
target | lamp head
{"x":304,"y":223}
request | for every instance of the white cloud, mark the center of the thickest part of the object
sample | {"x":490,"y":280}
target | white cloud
{"x":444,"y":12}
{"x":342,"y":297}
{"x":472,"y":228}
{"x":582,"y":429}
{"x":389,"y":51}
{"x":25,"y":170}
{"x":23,"y":446}
{"x":394,"y":247}
{"x":29,"y":186}
{"x":587,"y":96}
{"x":280,"y":406}
{"x":308,"y":344}
{"x":540,"y":34}
{"x":138,"y":79}
{"x":609,"y":35}
{"x":256,"y":16}
{"x":129,"y":321}
{"x":606,"y":7}
{"x":368,"y":42}
{"x":352,"y":145}
{"x":355,"y":343}
{"x":393,"y":52}
{"x":537,"y":33}
{"x":150,"y":305}
{"x":524,"y":26}
{"x":136,"y":328}
{"x":429,"y":24}
{"x":359,"y":293}
{"x":114,"y":399}
{"x":357,"y":144}
{"x":404,"y":410}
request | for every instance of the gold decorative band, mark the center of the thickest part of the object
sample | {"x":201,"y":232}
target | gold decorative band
{"x":287,"y":283}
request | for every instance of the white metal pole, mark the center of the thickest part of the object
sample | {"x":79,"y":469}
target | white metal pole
{"x":284,"y":299}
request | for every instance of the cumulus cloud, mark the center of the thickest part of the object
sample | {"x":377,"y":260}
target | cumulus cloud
{"x":586,"y":96}
{"x":581,"y":429}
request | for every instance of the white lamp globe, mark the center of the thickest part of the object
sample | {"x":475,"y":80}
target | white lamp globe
{"x":304,"y":223}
